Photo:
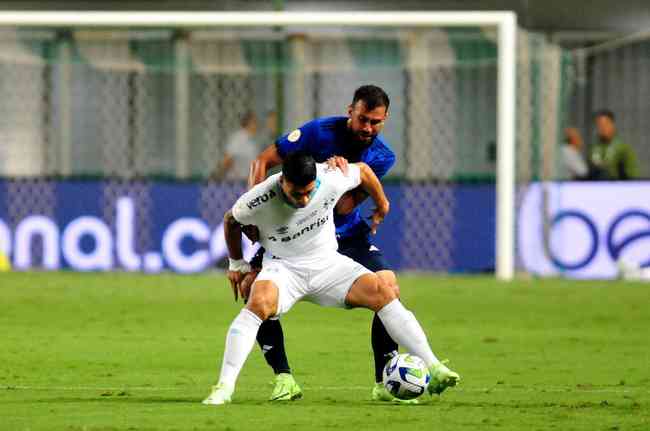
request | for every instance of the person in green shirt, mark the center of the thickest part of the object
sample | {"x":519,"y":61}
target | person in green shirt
{"x":610,"y":157}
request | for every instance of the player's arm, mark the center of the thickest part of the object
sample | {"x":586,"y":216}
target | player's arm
{"x":380,"y":165}
{"x":269,"y":158}
{"x":349,"y":201}
{"x":237,"y":266}
{"x":372,"y":186}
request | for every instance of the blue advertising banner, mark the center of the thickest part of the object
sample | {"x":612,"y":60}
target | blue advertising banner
{"x":154,"y":226}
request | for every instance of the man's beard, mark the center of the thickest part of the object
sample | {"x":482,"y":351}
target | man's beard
{"x":363,"y":138}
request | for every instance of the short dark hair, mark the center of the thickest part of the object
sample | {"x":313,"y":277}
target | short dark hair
{"x":299,"y":168}
{"x":372,"y":96}
{"x":605,"y":113}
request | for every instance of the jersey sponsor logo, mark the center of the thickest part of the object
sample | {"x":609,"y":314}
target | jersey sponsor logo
{"x":294,"y":136}
{"x":318,"y":223}
{"x":261,"y":199}
{"x":282,"y":230}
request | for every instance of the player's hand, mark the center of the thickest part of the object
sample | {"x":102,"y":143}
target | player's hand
{"x":235,"y":278}
{"x":251,"y":232}
{"x":378,"y":216}
{"x":237,"y":269}
{"x":338,"y":162}
{"x":246,"y":283}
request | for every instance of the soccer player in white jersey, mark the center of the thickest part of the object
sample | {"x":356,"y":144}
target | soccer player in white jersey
{"x":293,"y":211}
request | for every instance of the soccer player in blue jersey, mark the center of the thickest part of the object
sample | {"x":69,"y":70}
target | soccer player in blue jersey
{"x":355,"y":138}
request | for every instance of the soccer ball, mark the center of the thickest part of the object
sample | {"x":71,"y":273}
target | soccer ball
{"x":406,"y":376}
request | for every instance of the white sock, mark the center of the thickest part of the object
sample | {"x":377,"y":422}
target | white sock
{"x":239,"y":343}
{"x":402,"y":326}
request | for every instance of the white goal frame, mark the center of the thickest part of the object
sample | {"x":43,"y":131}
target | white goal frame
{"x":505,"y":23}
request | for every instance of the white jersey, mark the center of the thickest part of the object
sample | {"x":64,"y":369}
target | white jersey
{"x":286,"y":231}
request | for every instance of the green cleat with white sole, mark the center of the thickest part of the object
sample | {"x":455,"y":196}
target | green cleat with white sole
{"x":221,"y":394}
{"x":379,"y":393}
{"x":441,"y":378}
{"x":286,"y":388}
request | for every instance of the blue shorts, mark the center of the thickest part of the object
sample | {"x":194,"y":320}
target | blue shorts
{"x":361,"y":250}
{"x":357,"y":248}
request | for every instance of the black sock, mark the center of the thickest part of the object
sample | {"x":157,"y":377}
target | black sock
{"x":383,"y":347}
{"x":271,"y":339}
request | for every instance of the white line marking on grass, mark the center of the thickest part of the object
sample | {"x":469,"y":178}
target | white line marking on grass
{"x":557,"y":389}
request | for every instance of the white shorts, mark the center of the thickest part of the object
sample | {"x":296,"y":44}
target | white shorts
{"x":325,"y":281}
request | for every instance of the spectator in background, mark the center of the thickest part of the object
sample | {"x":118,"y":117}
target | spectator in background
{"x":573,"y":162}
{"x":610,"y":157}
{"x":270,"y":131}
{"x":240,"y":151}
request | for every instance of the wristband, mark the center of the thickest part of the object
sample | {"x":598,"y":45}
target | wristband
{"x":239,"y":265}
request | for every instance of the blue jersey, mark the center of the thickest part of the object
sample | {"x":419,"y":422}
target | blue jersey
{"x":329,"y":136}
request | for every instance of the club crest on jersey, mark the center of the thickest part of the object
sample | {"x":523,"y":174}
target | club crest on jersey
{"x":261,"y":199}
{"x":294,"y":136}
{"x":327,"y":203}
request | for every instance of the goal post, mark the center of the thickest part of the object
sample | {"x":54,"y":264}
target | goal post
{"x":504,"y":23}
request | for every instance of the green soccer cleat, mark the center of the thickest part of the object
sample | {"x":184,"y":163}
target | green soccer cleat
{"x":379,"y":393}
{"x":286,"y":388}
{"x":441,"y":378}
{"x":221,"y":394}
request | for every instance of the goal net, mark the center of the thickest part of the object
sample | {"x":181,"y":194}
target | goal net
{"x":107,"y":120}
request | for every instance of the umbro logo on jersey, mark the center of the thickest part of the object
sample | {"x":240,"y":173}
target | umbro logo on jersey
{"x":261,"y":199}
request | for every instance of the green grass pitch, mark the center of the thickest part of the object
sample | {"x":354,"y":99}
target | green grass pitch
{"x":135,"y":352}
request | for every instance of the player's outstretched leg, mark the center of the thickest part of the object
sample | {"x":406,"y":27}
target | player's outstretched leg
{"x":240,"y":340}
{"x":239,"y":343}
{"x":368,"y":291}
{"x":271,"y":340}
{"x":405,"y":329}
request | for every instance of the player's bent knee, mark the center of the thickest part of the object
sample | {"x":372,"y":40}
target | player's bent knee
{"x":260,"y":308}
{"x":385,"y":294}
{"x":390,"y":279}
{"x":364,"y":292}
{"x":263,"y":300}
